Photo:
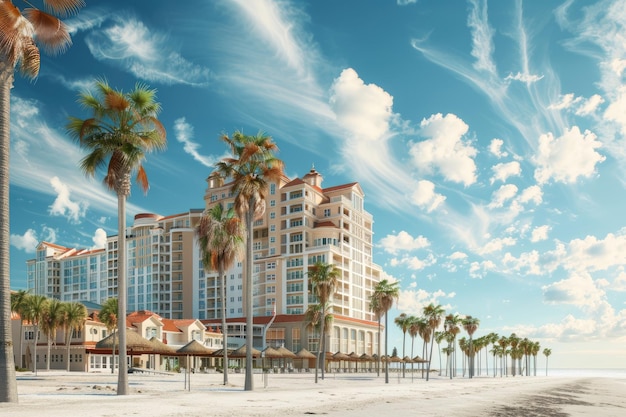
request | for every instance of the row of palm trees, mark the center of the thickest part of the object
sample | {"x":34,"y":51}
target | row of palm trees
{"x":47,"y":315}
{"x":522,"y":352}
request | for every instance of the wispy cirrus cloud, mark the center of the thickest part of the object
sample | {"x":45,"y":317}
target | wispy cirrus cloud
{"x":184,"y":134}
{"x":145,"y":52}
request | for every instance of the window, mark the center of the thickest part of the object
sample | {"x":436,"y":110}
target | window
{"x":271,"y":265}
{"x":272,"y":215}
{"x":272,"y":203}
{"x":272,"y":189}
{"x":326,"y":212}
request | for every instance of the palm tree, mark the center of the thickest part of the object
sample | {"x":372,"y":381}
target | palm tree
{"x":220,"y":237}
{"x":385,"y":293}
{"x":513,"y":342}
{"x":313,"y":317}
{"x":323,"y":279}
{"x":377,"y":309}
{"x":51,"y":320}
{"x":22,"y":33}
{"x":451,"y":324}
{"x":75,"y":315}
{"x":34,"y":314}
{"x":252,"y":166}
{"x":122,"y":129}
{"x":19,"y":303}
{"x":470,"y":324}
{"x":423,"y":330}
{"x":108,"y":316}
{"x":403,"y":322}
{"x":547,"y":352}
{"x":433,"y":314}
{"x":504,"y":343}
{"x":413,"y":332}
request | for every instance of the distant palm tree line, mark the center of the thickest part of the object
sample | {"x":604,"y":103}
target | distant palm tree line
{"x":508,"y":354}
{"x":48,"y":315}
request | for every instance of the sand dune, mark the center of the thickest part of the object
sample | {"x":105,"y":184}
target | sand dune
{"x":60,"y":394}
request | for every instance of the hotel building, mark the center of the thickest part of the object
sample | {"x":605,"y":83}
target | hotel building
{"x":303,"y":223}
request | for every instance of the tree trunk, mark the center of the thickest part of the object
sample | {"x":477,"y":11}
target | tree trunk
{"x":249,"y":384}
{"x":386,"y":340}
{"x":8,"y":388}
{"x":224,"y":335}
{"x":122,"y":375}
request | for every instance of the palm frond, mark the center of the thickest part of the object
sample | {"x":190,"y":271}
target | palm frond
{"x":51,"y":33}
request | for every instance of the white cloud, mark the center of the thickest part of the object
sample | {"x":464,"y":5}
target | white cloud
{"x":478,"y":270}
{"x":184,"y":134}
{"x":63,"y":205}
{"x":413,"y":262}
{"x":532,"y":193}
{"x":579,"y":290}
{"x":362,"y":109}
{"x":145,"y":53}
{"x":495,"y":147}
{"x":425,"y":197}
{"x":406,"y":2}
{"x":403,"y":241}
{"x":503,"y":171}
{"x":27,"y":242}
{"x":501,"y":195}
{"x":568,"y":157}
{"x":567,"y":101}
{"x":589,"y":106}
{"x":412,"y":302}
{"x":497,"y":244}
{"x":445,"y":151}
{"x":540,"y":233}
{"x":458,"y":255}
{"x":525,"y":78}
{"x":99,"y":239}
{"x":616,"y":111}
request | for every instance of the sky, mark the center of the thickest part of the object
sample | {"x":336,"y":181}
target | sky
{"x":489,"y":138}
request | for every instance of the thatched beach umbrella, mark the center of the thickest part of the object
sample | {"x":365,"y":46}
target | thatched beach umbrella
{"x":271,"y":354}
{"x":160,"y":347}
{"x":193,"y":348}
{"x":339,"y":356}
{"x":134,"y":342}
{"x":367,"y":358}
{"x":304,"y":355}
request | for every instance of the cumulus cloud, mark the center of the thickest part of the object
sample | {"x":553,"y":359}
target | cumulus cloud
{"x":568,"y":157}
{"x":63,"y":205}
{"x":26,"y":242}
{"x":412,"y":302}
{"x":184,"y":134}
{"x":540,"y":233}
{"x":495,"y":148}
{"x":579,"y":290}
{"x":444,"y":151}
{"x":413,"y":262}
{"x":503,"y":194}
{"x":99,"y":239}
{"x":425,"y":197}
{"x":502,"y":171}
{"x":478,"y":270}
{"x":403,"y":241}
{"x":532,"y":193}
{"x":363,"y":109}
{"x":497,"y":244}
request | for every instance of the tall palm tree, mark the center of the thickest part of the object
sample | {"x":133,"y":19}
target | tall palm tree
{"x":433,"y":314}
{"x":470,"y":324}
{"x":313,"y":317}
{"x":413,"y":332}
{"x":547,"y":352}
{"x":451,"y":324}
{"x":513,"y":342}
{"x":423,"y":330}
{"x":504,"y":344}
{"x":251,"y":166}
{"x":385,"y":292}
{"x":22,"y":33}
{"x":75,"y":315}
{"x":377,"y":309}
{"x":323,"y":279}
{"x":123,"y":127}
{"x":51,"y":320}
{"x":220,"y":237}
{"x":34,"y":314}
{"x":19,"y":303}
{"x":403,"y":322}
{"x":108,"y":316}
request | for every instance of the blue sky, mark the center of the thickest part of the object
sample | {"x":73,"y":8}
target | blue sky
{"x":488,"y":137}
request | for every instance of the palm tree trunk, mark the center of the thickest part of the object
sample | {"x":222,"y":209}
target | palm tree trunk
{"x":68,"y":340}
{"x":386,"y":354}
{"x":378,"y":359}
{"x":430,"y":358}
{"x":321,"y":354}
{"x":35,"y":341}
{"x":122,"y":374}
{"x":249,"y":385}
{"x":48,"y":355}
{"x":224,"y":335}
{"x":8,"y":388}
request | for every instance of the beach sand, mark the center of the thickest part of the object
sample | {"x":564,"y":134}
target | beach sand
{"x":61,"y":394}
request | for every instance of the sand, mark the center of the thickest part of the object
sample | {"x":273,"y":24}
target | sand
{"x":61,"y":394}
